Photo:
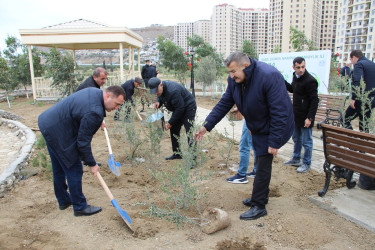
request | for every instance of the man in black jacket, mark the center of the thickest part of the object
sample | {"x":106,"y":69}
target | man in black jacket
{"x":305,"y":104}
{"x":180,"y":101}
{"x":68,"y":128}
{"x":363,"y":69}
{"x":128,"y":87}
{"x":98,"y":79}
{"x":146,"y":73}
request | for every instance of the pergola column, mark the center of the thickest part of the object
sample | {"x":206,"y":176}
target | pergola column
{"x":130,"y":61}
{"x":32,"y":71}
{"x":121,"y":64}
{"x":139,"y":60}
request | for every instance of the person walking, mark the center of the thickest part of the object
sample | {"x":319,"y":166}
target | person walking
{"x":258,"y":90}
{"x":305,"y":104}
{"x":68,"y":128}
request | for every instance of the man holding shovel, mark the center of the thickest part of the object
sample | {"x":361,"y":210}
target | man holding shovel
{"x":68,"y":128}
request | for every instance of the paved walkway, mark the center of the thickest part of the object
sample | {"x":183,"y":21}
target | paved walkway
{"x":356,"y":205}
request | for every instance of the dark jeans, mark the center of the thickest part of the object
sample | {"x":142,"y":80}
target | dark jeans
{"x":72,"y":175}
{"x":351,"y":114}
{"x":186,"y":120}
{"x":146,"y":82}
{"x":262,"y":181}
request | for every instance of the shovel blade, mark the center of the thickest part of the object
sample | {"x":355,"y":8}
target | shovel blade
{"x":124,"y":214}
{"x":114,"y":166}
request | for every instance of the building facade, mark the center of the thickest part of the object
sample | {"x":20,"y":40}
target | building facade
{"x":304,"y":15}
{"x":181,"y":32}
{"x":355,"y":28}
{"x":255,"y":28}
{"x":227,"y":29}
{"x":328,"y":24}
{"x":202,"y":28}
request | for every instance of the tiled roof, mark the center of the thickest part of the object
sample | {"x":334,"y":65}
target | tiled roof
{"x":76,"y":24}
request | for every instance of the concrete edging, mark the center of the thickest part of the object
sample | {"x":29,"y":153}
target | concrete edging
{"x":11,"y":174}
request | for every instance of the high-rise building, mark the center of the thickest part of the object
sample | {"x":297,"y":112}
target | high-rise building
{"x":181,"y":32}
{"x":255,"y":28}
{"x":355,"y":28}
{"x":304,"y":15}
{"x":202,"y":28}
{"x":328,"y":24}
{"x":227,"y":29}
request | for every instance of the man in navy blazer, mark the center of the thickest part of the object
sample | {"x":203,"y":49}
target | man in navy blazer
{"x":259,"y":92}
{"x":68,"y":128}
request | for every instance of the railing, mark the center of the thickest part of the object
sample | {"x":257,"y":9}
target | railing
{"x":44,"y":91}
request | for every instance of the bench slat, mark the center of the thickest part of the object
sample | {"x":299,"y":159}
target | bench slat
{"x":357,"y":141}
{"x":351,"y":156}
{"x":352,"y":166}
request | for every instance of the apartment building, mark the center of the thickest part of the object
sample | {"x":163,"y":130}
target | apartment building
{"x":202,"y":28}
{"x":181,"y":32}
{"x":255,"y":28}
{"x":227,"y":29}
{"x":355,"y":28}
{"x":304,"y":15}
{"x":328,"y":24}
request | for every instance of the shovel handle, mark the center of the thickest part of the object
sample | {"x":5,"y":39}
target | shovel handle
{"x":107,"y":138}
{"x":139,"y":116}
{"x":104,"y":185}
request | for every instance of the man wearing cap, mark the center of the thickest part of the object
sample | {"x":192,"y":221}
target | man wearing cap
{"x":98,"y":79}
{"x":128,"y":87}
{"x":146,"y":73}
{"x":180,"y":101}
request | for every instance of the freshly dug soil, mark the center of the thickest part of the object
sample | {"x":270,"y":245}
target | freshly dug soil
{"x":30,"y":218}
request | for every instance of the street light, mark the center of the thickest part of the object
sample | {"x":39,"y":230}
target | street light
{"x":192,"y":72}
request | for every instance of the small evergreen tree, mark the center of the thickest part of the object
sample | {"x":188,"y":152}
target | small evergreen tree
{"x":206,"y":72}
{"x":5,"y":79}
{"x":249,"y":49}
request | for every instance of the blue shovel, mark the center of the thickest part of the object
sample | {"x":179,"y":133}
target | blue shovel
{"x":124,"y":214}
{"x":114,"y":166}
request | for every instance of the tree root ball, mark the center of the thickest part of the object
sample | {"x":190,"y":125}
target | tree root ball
{"x":214,"y":220}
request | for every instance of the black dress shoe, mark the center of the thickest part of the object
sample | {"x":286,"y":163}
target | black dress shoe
{"x":247,"y":202}
{"x":89,"y":210}
{"x":63,"y":207}
{"x":173,"y":157}
{"x":253,"y":213}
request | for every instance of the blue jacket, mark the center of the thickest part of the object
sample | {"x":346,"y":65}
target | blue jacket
{"x":69,"y":125}
{"x":264,"y":102}
{"x":365,"y":69}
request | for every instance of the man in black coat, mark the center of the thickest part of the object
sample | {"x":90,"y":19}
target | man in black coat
{"x":128,"y":87}
{"x":68,"y":128}
{"x":363,"y":69}
{"x":98,"y":79}
{"x":305,"y":104}
{"x":180,"y":101}
{"x":146,"y":72}
{"x":345,"y":71}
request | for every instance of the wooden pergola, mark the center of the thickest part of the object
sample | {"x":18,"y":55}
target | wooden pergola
{"x":82,"y":34}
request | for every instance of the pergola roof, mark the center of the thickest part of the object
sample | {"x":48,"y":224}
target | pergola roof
{"x":81,"y":34}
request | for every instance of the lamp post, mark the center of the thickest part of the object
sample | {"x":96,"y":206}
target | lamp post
{"x":192,"y":73}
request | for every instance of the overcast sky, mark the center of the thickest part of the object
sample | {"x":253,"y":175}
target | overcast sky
{"x":36,"y":14}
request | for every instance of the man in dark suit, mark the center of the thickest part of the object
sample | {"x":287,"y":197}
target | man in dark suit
{"x":68,"y":128}
{"x":146,"y":72}
{"x":128,"y":87}
{"x":98,"y":79}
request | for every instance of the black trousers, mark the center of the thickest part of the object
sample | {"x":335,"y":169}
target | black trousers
{"x":187,"y":121}
{"x":146,"y":82}
{"x":351,"y":114}
{"x":262,"y":181}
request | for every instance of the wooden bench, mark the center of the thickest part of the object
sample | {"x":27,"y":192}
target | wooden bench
{"x":347,"y":151}
{"x":330,"y":110}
